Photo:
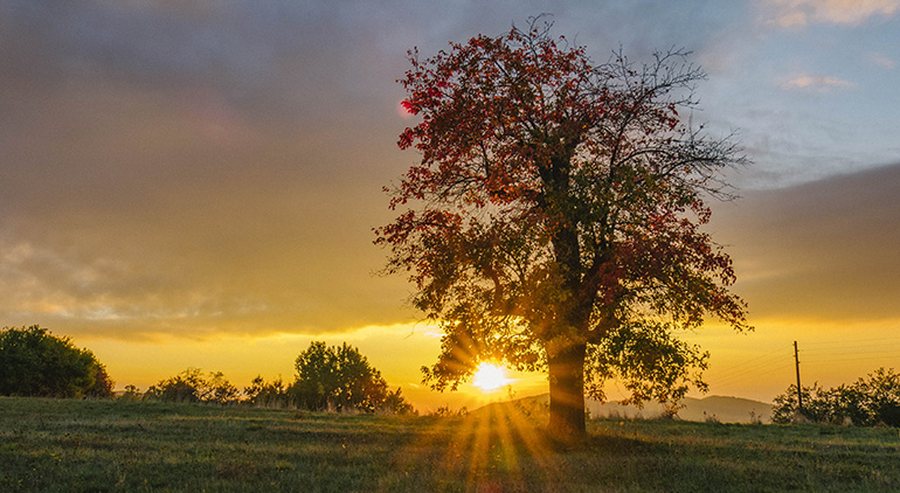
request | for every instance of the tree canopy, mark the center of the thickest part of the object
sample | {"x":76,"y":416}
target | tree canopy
{"x":340,"y":378}
{"x":34,"y":362}
{"x":555,"y":217}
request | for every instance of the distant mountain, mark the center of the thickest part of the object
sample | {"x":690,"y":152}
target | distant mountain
{"x":718,"y":408}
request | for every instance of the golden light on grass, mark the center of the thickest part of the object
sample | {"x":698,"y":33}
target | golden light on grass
{"x":499,"y":447}
{"x":490,"y":377}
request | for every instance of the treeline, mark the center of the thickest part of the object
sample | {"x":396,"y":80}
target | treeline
{"x":34,"y":362}
{"x":329,"y":378}
{"x":870,"y":401}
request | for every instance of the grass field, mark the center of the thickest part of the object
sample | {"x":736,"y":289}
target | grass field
{"x":71,"y":445}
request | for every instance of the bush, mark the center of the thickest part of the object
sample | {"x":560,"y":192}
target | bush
{"x":869,"y":401}
{"x":261,"y":394}
{"x":131,"y":393}
{"x":34,"y":362}
{"x":191,"y":386}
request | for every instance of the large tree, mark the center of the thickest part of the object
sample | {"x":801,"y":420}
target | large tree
{"x":34,"y":362}
{"x":554,"y":220}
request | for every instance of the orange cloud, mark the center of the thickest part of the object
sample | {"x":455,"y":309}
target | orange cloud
{"x":821,"y":83}
{"x":799,"y":13}
{"x":882,"y":60}
{"x":824,"y":251}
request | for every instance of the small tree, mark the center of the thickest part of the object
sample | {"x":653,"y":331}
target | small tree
{"x":341,"y":378}
{"x":316,"y":377}
{"x":554,"y":218}
{"x":34,"y":362}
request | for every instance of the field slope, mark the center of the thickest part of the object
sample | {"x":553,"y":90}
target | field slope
{"x":69,"y":445}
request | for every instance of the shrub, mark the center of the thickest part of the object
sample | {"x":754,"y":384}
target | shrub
{"x":192,"y":386}
{"x":869,"y":401}
{"x":261,"y":394}
{"x":131,"y":393}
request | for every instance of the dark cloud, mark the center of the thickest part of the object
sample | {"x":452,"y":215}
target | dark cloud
{"x":826,"y":250}
{"x":193,"y":167}
{"x":172,"y":172}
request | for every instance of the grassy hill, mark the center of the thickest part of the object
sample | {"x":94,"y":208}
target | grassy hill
{"x":72,"y":445}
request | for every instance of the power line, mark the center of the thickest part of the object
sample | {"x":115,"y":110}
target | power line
{"x":851,"y":341}
{"x":853,"y":358}
{"x":784,"y":367}
{"x":752,"y":366}
{"x":854,"y":352}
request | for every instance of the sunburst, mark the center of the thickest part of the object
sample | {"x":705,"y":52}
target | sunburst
{"x":490,"y":377}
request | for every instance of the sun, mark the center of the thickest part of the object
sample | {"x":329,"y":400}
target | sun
{"x":490,"y":377}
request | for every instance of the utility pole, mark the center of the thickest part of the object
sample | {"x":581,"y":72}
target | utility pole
{"x":797,"y":366}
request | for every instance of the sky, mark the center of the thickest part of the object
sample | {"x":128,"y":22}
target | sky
{"x":196,"y":183}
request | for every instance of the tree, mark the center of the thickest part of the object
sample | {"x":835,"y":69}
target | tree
{"x":316,"y":378}
{"x":34,"y":362}
{"x":555,"y":217}
{"x":341,"y":378}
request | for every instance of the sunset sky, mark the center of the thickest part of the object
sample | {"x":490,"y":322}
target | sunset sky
{"x":195,"y":183}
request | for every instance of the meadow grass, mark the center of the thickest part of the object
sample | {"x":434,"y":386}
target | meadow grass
{"x":72,"y":445}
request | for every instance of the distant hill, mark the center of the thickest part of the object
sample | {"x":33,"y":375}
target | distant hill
{"x":720,"y":408}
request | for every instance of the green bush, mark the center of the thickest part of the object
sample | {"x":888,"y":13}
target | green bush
{"x":869,"y":401}
{"x":264,"y":394}
{"x":192,"y":386}
{"x":34,"y":362}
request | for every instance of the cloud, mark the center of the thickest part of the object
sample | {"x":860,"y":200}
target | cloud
{"x":217,"y":167}
{"x":823,"y":251}
{"x":194,"y":174}
{"x":882,"y":60}
{"x":799,"y":13}
{"x":820,"y":83}
{"x":173,"y":167}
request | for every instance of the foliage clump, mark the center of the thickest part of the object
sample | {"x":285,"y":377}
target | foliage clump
{"x":192,"y":386}
{"x":340,"y":378}
{"x":869,"y":401}
{"x":274,"y":394}
{"x":36,"y":363}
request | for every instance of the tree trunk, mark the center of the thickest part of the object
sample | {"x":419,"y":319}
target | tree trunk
{"x":566,"y":369}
